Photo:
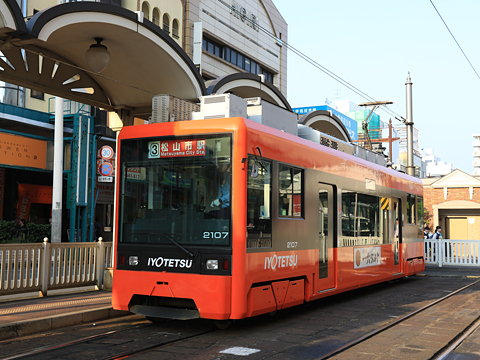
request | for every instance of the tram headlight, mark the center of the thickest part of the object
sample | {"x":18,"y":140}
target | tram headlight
{"x":211,"y":264}
{"x":133,"y":260}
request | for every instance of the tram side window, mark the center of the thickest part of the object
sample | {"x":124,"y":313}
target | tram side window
{"x":259,"y":194}
{"x":290,"y":192}
{"x":363,"y":220}
{"x":420,"y":215}
{"x":411,"y":209}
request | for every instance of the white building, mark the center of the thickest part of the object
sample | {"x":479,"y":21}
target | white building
{"x":435,"y":166}
{"x":476,"y":154}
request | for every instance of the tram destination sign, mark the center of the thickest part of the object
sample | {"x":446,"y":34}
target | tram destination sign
{"x":176,"y":148}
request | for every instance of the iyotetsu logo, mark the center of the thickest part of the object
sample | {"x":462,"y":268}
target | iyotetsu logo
{"x":169,"y":263}
{"x":275,"y":261}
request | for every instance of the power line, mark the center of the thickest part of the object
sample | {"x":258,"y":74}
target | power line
{"x":311,"y":61}
{"x":454,"y":38}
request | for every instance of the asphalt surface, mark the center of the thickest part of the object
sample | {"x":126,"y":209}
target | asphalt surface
{"x":20,"y":317}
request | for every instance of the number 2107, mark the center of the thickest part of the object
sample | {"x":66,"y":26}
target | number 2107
{"x":215,"y":234}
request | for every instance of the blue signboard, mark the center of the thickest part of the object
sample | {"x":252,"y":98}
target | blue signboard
{"x":349,"y":123}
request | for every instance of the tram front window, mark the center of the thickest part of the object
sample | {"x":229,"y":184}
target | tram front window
{"x":175,"y":190}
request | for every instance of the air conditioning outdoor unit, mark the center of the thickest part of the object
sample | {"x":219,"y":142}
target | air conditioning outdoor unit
{"x":221,"y":106}
{"x":167,"y":108}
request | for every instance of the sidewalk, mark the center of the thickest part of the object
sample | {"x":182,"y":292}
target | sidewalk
{"x":28,"y":316}
{"x":449,"y":271}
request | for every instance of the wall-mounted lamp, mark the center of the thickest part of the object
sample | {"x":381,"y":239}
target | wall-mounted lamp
{"x":97,"y":56}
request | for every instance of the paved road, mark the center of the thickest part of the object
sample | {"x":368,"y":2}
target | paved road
{"x":303,"y":332}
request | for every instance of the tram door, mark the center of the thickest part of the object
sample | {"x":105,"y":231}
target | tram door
{"x":326,"y":217}
{"x":398,"y":221}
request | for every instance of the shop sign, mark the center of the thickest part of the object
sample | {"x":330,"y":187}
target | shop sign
{"x":106,"y":193}
{"x":136,"y":173}
{"x":38,"y":194}
{"x":240,"y":12}
{"x":21,"y":151}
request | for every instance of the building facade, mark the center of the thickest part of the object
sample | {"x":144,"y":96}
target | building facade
{"x":235,"y":37}
{"x":238,"y":36}
{"x":434,"y":166}
{"x":453,"y":202}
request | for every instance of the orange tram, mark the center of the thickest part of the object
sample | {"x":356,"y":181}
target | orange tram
{"x":228,"y":218}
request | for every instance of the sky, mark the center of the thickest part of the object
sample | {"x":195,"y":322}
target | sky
{"x":374,"y":44}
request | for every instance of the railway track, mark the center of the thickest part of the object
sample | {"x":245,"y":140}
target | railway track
{"x":442,"y":353}
{"x":144,"y":338}
{"x":119,"y":344}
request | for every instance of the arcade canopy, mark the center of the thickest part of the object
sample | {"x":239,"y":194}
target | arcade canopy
{"x":48,"y":54}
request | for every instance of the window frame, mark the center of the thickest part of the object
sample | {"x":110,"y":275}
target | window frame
{"x":281,"y":197}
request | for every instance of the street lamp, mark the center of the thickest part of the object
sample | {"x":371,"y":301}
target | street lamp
{"x":97,"y":56}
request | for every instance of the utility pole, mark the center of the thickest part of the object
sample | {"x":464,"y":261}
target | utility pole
{"x":409,"y":124}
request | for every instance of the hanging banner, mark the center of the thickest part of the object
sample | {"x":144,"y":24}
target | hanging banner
{"x":23,"y":207}
{"x":2,"y":190}
{"x":22,"y":151}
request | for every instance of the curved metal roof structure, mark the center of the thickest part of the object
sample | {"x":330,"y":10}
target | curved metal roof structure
{"x":327,"y":123}
{"x":247,"y":85}
{"x":48,"y":54}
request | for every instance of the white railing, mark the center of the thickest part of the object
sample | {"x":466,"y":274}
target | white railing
{"x":452,"y":252}
{"x":42,"y":267}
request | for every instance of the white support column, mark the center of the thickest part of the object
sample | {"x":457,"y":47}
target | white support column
{"x":57,"y":173}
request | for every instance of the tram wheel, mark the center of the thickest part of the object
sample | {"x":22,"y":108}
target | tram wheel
{"x":222,"y":324}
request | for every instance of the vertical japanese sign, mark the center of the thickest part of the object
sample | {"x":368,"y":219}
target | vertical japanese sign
{"x":2,"y":190}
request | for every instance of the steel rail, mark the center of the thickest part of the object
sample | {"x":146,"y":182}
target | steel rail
{"x":119,"y":356}
{"x":392,"y":324}
{"x":63,"y":345}
{"x":442,"y":354}
{"x":145,"y":349}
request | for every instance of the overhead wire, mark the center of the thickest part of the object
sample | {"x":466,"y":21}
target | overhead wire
{"x":311,"y":61}
{"x":466,"y":57}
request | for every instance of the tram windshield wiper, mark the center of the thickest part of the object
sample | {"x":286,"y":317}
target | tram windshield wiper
{"x":185,"y":250}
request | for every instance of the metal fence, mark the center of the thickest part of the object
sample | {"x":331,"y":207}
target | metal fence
{"x":48,"y":266}
{"x":452,"y":252}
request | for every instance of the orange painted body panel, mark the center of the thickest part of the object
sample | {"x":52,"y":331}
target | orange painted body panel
{"x":293,"y":274}
{"x":261,"y":300}
{"x":210,"y":293}
{"x":295,"y":293}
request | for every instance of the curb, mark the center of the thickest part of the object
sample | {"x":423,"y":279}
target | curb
{"x":27,"y":327}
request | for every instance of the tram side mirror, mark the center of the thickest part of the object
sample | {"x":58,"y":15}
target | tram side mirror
{"x":254,"y":173}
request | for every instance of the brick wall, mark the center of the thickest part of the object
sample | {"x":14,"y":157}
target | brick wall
{"x":432,"y":196}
